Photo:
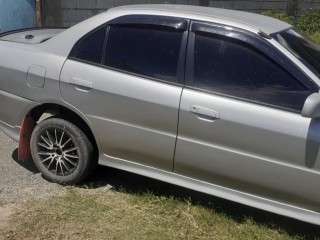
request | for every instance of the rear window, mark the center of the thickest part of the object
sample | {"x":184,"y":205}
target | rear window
{"x":147,"y":51}
{"x":90,"y":48}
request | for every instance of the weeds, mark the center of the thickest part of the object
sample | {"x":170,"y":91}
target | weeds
{"x":308,"y":23}
{"x":95,"y":214}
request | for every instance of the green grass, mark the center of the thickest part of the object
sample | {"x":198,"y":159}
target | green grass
{"x":99,"y":214}
{"x":316,"y":37}
{"x":308,"y":23}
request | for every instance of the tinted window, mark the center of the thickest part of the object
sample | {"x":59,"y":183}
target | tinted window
{"x":91,"y":47}
{"x":236,"y":69}
{"x":150,"y":52}
{"x":306,"y":50}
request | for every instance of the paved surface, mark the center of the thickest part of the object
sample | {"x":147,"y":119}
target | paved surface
{"x":20,"y":181}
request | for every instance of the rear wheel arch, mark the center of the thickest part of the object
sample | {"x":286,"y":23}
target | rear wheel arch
{"x":41,"y":112}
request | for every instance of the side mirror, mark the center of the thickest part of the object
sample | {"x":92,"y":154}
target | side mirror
{"x":311,"y":108}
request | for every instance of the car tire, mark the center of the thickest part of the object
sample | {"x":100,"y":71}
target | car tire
{"x":61,"y":151}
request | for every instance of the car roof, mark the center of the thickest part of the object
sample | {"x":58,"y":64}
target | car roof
{"x":251,"y":20}
{"x":63,"y":42}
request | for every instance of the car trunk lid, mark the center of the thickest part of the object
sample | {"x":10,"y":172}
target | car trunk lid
{"x":30,"y":36}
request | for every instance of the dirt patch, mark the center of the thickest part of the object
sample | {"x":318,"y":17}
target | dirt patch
{"x":5,"y":213}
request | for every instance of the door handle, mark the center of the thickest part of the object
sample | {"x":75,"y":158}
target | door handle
{"x":205,"y":113}
{"x":80,"y":84}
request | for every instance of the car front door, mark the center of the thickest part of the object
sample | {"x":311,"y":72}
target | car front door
{"x":126,"y":79}
{"x":240,"y":123}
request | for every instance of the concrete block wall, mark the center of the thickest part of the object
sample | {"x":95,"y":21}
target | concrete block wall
{"x":69,"y":12}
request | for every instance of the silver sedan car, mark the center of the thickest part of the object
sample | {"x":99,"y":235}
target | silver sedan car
{"x":219,"y":101}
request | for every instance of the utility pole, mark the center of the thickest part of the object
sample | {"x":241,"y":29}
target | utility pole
{"x":39,"y":13}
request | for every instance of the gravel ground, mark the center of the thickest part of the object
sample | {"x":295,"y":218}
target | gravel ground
{"x":20,"y":181}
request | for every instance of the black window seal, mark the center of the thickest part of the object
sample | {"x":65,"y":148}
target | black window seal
{"x":189,"y":69}
{"x":182,"y":59}
{"x":104,"y":49}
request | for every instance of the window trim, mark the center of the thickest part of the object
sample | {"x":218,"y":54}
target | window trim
{"x":173,"y":23}
{"x":255,"y":41}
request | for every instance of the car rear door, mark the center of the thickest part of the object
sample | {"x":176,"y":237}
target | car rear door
{"x":126,"y":78}
{"x":240,"y":123}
